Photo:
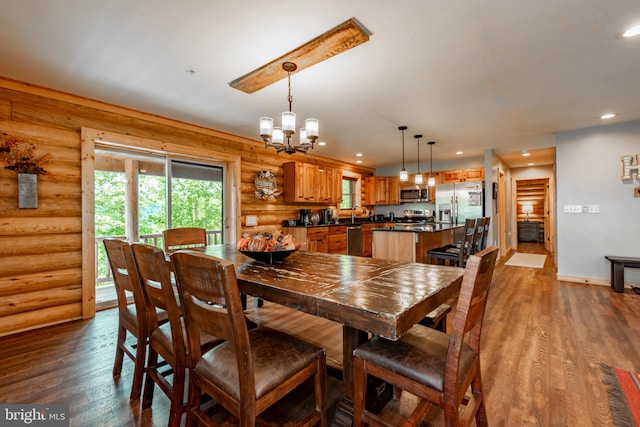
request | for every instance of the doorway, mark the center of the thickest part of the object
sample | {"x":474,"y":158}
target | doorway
{"x":534,"y":212}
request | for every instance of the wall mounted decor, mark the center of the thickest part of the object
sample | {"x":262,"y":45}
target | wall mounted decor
{"x":266,"y":187}
{"x":19,"y":154}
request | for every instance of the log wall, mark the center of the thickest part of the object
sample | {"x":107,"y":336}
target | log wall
{"x":41,"y":250}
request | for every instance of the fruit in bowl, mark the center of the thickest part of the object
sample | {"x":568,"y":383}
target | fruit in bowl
{"x":267,"y":242}
{"x":267,"y":247}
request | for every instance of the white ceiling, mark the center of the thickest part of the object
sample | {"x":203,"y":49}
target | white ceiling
{"x":471,"y":75}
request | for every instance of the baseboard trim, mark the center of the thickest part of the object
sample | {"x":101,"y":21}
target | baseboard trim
{"x":591,"y":281}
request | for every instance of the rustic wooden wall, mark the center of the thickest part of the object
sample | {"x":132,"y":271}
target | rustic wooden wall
{"x":41,"y":249}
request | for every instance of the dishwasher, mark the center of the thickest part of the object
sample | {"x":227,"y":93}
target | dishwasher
{"x":354,"y":240}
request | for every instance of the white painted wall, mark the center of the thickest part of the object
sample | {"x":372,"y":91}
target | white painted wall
{"x":588,"y":171}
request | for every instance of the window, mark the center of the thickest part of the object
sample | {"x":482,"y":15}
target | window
{"x":348,"y":193}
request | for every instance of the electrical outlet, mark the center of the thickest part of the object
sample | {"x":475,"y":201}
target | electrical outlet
{"x":593,"y":209}
{"x":572,"y":208}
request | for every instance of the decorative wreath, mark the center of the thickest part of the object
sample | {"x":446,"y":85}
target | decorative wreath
{"x":266,"y":188}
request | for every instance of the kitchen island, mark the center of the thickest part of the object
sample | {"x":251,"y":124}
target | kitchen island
{"x":410,"y":243}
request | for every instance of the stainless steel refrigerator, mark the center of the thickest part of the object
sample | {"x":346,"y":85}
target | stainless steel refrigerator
{"x":457,"y":202}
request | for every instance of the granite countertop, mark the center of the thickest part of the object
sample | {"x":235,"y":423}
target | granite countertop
{"x":345,"y":222}
{"x":422,"y":228}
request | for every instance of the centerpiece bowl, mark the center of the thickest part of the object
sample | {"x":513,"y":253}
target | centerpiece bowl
{"x":268,"y":257}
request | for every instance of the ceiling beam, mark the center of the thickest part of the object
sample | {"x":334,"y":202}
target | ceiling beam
{"x":339,"y":39}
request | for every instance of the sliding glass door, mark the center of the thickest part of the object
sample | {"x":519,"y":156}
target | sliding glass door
{"x":138,"y":195}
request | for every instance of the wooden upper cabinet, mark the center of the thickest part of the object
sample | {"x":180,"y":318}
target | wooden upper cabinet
{"x":461,"y":175}
{"x":447,"y":177}
{"x":394,"y":190}
{"x":473,"y":174}
{"x":381,"y":190}
{"x":369,"y":190}
{"x":309,"y":183}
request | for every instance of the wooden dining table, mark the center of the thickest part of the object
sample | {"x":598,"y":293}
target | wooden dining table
{"x":365,"y":295}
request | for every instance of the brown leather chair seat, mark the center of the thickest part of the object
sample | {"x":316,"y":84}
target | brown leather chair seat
{"x":410,"y":358}
{"x":276,"y":357}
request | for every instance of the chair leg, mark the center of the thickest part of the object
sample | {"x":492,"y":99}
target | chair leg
{"x":149,"y":383}
{"x":117,"y":364}
{"x":177,"y":398}
{"x":476,"y":388}
{"x":359,"y":391}
{"x":138,"y":370}
{"x":193,"y":402}
{"x":320,"y":382}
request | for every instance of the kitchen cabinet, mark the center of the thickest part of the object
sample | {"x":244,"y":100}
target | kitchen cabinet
{"x":394,"y":190}
{"x":461,"y":175}
{"x":367,"y":236}
{"x":309,"y":183}
{"x":382,"y":190}
{"x":337,"y":239}
{"x":313,"y":239}
{"x":411,"y":246}
{"x":330,"y":185}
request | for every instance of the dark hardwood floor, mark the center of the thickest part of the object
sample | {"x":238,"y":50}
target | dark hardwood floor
{"x":543,"y":343}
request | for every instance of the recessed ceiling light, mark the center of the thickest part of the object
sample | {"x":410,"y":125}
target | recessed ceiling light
{"x":358,"y":154}
{"x":607,"y":116}
{"x":530,"y":164}
{"x":358,"y":161}
{"x":458,"y":152}
{"x":322,"y":143}
{"x":631,"y":32}
{"x":525,"y":153}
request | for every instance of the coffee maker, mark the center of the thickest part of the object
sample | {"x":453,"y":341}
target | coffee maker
{"x":305,"y":216}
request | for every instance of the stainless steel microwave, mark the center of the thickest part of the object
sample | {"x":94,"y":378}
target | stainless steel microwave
{"x":413,"y":194}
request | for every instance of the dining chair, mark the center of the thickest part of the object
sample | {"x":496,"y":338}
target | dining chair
{"x":174,"y":239}
{"x":132,"y":318}
{"x":440,"y":369}
{"x":167,"y":356}
{"x":252,"y":369}
{"x":485,"y":232}
{"x":452,"y":254}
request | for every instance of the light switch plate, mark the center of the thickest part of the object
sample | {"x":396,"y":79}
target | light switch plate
{"x":252,"y":220}
{"x":593,"y":209}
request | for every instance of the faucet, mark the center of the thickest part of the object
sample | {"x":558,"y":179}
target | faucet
{"x":353,"y":214}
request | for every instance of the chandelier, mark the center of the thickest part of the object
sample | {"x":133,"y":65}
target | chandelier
{"x":280,"y":137}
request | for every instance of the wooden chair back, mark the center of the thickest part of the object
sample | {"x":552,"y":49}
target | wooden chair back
{"x":183,"y":238}
{"x":467,"y":242}
{"x":485,"y":232}
{"x":155,"y":276}
{"x":211,"y":303}
{"x":478,"y":232}
{"x":125,"y":276}
{"x":469,"y":311}
{"x":127,"y":285}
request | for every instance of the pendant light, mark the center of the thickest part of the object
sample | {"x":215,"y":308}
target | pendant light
{"x":404,"y":176}
{"x":432,"y":179}
{"x":418,"y":178}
